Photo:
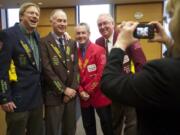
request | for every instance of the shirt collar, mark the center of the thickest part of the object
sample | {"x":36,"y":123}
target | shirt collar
{"x":110,"y":39}
{"x":86,"y":45}
{"x":24,"y":30}
{"x":56,"y":37}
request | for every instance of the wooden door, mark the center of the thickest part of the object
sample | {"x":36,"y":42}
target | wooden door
{"x":144,"y":13}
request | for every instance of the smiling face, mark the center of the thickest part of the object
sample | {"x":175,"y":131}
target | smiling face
{"x":82,"y":34}
{"x":105,"y":25}
{"x":59,"y":22}
{"x":30,"y":18}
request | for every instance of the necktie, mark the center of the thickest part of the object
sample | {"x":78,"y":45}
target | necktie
{"x":61,"y":46}
{"x":106,"y":46}
{"x":83,"y":52}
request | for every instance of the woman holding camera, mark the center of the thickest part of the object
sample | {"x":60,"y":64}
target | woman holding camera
{"x":154,"y":91}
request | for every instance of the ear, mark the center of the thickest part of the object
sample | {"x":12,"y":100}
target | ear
{"x":50,"y":20}
{"x":20,"y":18}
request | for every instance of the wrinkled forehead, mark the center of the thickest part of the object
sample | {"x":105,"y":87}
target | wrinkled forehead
{"x":81,"y":28}
{"x":32,"y":8}
{"x":104,"y":18}
{"x":60,"y":15}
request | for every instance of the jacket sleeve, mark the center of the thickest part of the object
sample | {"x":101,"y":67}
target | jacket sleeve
{"x":5,"y":60}
{"x":50,"y":76}
{"x":137,"y":55}
{"x":142,"y":89}
{"x":75,"y":82}
{"x":100,"y":63}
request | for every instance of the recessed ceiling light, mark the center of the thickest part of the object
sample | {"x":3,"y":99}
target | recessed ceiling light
{"x":40,"y":3}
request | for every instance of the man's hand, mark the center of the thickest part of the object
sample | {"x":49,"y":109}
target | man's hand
{"x":70,"y":92}
{"x":8,"y":107}
{"x":66,"y":99}
{"x":84,"y":95}
{"x":67,"y":36}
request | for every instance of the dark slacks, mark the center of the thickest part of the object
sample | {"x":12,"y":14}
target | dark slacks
{"x":27,"y":122}
{"x":124,"y":119}
{"x":61,"y":119}
{"x":89,"y":121}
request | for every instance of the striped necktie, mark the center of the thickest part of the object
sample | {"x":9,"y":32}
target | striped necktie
{"x":61,"y":46}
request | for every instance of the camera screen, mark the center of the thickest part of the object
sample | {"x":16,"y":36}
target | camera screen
{"x":142,"y":31}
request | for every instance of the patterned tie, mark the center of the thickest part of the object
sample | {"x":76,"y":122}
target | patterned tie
{"x":61,"y":46}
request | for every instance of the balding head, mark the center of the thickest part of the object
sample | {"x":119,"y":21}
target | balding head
{"x":105,"y":24}
{"x":58,"y":19}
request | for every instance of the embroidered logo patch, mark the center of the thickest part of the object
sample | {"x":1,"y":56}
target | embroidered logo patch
{"x":22,"y":59}
{"x":55,"y":60}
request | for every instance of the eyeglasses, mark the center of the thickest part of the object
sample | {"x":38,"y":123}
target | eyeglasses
{"x":32,"y":13}
{"x":105,"y":23}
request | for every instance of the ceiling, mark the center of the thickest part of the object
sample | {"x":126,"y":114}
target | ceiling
{"x":65,"y":3}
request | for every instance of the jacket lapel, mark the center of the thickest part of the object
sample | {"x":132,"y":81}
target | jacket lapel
{"x":37,"y":37}
{"x":56,"y":49}
{"x":84,"y":62}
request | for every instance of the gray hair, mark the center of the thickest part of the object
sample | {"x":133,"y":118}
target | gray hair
{"x":55,"y":11}
{"x":85,"y":25}
{"x":106,"y":15}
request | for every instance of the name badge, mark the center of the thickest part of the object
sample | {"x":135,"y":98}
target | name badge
{"x":91,"y":68}
{"x":22,"y":60}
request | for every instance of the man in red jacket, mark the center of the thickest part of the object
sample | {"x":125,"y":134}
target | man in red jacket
{"x":121,"y":115}
{"x":91,"y":61}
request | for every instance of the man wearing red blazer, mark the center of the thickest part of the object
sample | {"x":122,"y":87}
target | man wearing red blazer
{"x":122,"y":115}
{"x":91,"y":61}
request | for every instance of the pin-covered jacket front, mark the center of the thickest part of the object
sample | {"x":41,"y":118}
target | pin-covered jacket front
{"x":91,"y":68}
{"x":59,"y":72}
{"x":25,"y":92}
